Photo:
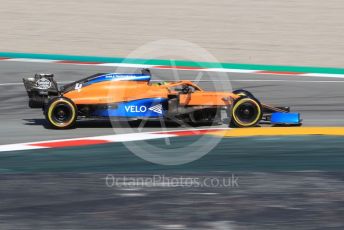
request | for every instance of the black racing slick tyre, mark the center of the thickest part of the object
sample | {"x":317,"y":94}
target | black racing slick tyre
{"x":61,"y":113}
{"x":246,"y":112}
{"x":243,"y":93}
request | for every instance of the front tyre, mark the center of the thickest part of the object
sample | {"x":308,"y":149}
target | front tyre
{"x":61,"y":113}
{"x":246,"y":112}
{"x":243,"y":93}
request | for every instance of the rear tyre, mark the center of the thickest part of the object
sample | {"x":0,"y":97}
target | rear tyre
{"x":61,"y":113}
{"x":246,"y":112}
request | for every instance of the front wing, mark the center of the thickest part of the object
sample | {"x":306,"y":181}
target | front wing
{"x":280,"y":116}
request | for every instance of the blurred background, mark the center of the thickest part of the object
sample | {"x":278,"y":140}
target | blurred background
{"x":283,"y":182}
{"x":306,"y":32}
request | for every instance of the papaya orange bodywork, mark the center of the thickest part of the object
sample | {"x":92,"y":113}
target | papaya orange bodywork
{"x":120,"y":91}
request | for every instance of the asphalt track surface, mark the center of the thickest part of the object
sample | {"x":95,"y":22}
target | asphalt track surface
{"x":310,"y":200}
{"x":319,"y":100}
{"x":284,"y":182}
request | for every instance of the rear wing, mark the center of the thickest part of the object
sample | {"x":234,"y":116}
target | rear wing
{"x":40,"y":88}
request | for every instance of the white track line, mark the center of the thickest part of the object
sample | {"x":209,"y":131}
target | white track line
{"x":31,"y":60}
{"x":256,"y":72}
{"x":228,"y":70}
{"x":106,"y":138}
{"x":322,"y":75}
{"x":296,"y":81}
{"x":6,"y":84}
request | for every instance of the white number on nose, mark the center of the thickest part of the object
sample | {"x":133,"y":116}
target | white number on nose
{"x":78,"y":86}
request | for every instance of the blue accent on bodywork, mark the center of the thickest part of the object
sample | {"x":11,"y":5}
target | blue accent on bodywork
{"x":285,"y":118}
{"x":119,"y":77}
{"x":150,"y":107}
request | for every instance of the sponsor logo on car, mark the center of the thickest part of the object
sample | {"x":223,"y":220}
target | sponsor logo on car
{"x":136,"y":109}
{"x":43,"y":83}
{"x":142,"y":109}
{"x":156,"y":108}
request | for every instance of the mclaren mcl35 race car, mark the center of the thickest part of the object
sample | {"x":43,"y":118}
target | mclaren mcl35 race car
{"x":134,"y":96}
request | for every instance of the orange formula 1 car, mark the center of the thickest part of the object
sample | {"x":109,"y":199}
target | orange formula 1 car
{"x":133,"y":96}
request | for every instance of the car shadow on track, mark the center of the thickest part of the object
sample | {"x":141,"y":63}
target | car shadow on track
{"x":117,"y":124}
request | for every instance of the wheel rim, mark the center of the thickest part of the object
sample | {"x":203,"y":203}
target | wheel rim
{"x":246,"y":112}
{"x":61,"y":113}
